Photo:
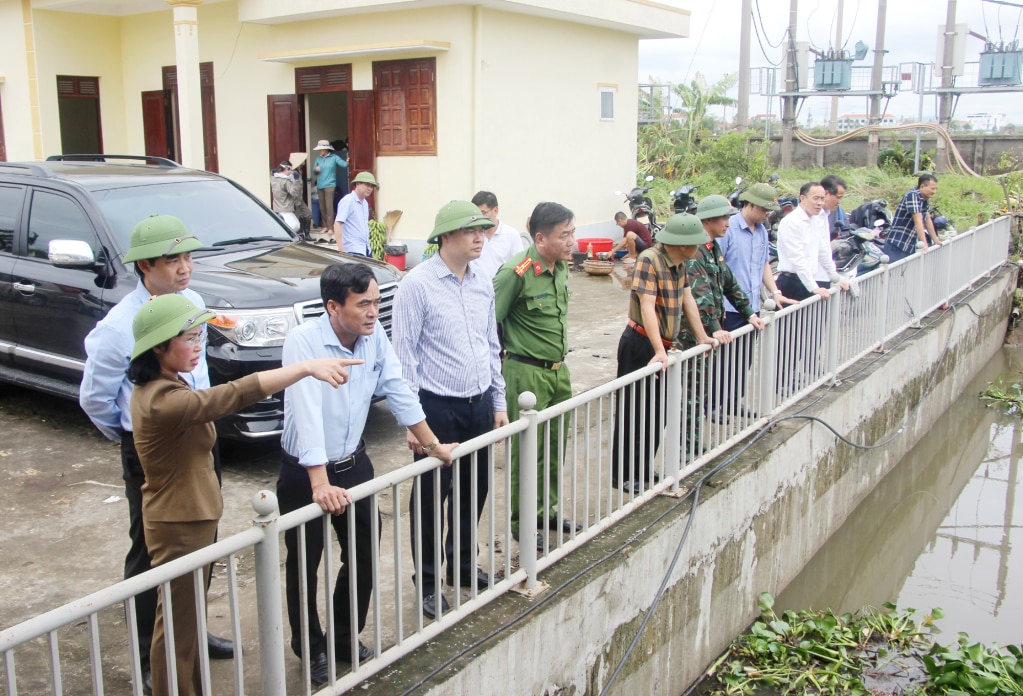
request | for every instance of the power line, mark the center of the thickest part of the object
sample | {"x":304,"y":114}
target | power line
{"x":764,"y":28}
{"x":856,"y":14}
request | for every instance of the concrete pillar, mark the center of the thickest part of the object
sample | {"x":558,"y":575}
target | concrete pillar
{"x":947,"y":78}
{"x":873,"y":136}
{"x":186,"y":53}
{"x":978,"y":155}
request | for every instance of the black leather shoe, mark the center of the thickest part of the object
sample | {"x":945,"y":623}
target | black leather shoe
{"x":344,"y":653}
{"x":552,"y":523}
{"x":318,"y":670}
{"x":539,"y":540}
{"x":430,"y":606}
{"x":220,"y":648}
{"x":482,"y":580}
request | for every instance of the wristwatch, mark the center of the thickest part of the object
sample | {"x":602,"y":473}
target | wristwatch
{"x":430,"y":447}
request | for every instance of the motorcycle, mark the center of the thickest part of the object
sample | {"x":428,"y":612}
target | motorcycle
{"x":870,"y":214}
{"x":942,"y":225}
{"x":683,"y":199}
{"x":855,"y":252}
{"x":640,"y":205}
{"x":733,"y":197}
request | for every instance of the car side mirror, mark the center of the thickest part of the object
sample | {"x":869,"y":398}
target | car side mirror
{"x":71,"y":253}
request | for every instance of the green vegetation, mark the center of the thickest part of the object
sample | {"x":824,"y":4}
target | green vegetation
{"x":872,"y":651}
{"x":1010,"y":396}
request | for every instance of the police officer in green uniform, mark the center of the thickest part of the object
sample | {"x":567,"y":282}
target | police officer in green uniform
{"x":531,"y":303}
{"x":712,"y":281}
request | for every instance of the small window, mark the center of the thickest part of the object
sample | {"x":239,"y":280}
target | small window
{"x":10,"y":207}
{"x":607,"y":103}
{"x":55,"y":217}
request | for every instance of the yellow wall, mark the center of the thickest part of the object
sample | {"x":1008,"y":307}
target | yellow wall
{"x":16,"y":90}
{"x":81,"y":45}
{"x":530,"y":132}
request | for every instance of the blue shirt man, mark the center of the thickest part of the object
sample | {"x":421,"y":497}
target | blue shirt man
{"x":161,"y":248}
{"x":912,"y":222}
{"x":445,"y":334}
{"x":325,"y":168}
{"x":322,"y":452}
{"x":351,"y":226}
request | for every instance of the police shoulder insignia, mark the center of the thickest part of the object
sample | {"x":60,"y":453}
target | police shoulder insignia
{"x":537,"y":268}
{"x":521,"y":268}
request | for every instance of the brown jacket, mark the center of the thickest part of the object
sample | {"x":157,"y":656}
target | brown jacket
{"x":174,"y":436}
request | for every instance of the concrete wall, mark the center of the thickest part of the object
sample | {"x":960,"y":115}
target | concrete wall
{"x":981,"y":152}
{"x":768,"y":514}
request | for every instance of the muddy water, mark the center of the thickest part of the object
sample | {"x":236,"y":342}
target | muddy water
{"x":944,"y":529}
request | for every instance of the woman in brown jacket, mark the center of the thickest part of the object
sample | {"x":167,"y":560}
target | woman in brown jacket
{"x":174,"y":436}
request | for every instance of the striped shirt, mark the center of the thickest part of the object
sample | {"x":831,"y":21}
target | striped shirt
{"x":656,"y":274}
{"x":445,"y":332}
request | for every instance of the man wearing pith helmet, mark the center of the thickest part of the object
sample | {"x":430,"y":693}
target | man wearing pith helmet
{"x":351,"y":225}
{"x":659,"y":285}
{"x":445,"y":335}
{"x":161,"y":248}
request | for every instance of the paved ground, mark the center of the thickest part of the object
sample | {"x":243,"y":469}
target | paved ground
{"x":65,"y":517}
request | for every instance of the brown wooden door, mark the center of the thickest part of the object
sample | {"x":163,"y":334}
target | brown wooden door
{"x":209,"y":127}
{"x":361,"y":135}
{"x":3,"y":145}
{"x":154,"y":124}
{"x":286,"y":116}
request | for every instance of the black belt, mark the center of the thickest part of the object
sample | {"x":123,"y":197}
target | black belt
{"x":454,"y":399}
{"x":537,"y":363}
{"x":336,"y":466}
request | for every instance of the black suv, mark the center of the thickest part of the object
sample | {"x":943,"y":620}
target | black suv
{"x":66,"y":223}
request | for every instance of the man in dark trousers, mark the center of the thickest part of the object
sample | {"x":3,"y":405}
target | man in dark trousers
{"x":655,"y":318}
{"x":635,"y":237}
{"x":445,"y":335}
{"x":161,"y":248}
{"x":323,"y":453}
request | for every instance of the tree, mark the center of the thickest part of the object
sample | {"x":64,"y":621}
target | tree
{"x":697,"y":97}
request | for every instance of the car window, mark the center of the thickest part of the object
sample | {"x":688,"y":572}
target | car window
{"x":10,"y":206}
{"x":213,"y":210}
{"x":53,"y":216}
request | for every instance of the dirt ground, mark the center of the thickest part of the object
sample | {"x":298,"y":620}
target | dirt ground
{"x":65,"y":516}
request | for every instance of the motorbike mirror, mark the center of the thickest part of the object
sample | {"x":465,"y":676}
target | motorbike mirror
{"x":650,"y":177}
{"x":879,"y":223}
{"x":619,"y":193}
{"x":738,"y":180}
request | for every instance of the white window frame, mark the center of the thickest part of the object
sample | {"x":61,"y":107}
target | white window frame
{"x":613,"y":91}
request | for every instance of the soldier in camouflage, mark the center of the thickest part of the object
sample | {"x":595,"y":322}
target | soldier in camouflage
{"x":711,"y":281}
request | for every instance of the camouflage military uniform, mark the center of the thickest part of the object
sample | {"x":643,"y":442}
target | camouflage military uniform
{"x":711,"y":282}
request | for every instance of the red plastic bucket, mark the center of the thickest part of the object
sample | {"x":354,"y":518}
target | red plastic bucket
{"x":599,"y":244}
{"x":394,"y":254}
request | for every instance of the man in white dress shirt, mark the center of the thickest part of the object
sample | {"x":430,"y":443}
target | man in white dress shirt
{"x":502,"y":241}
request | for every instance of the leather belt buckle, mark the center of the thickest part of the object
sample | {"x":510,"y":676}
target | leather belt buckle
{"x":343,"y":465}
{"x":557,"y":365}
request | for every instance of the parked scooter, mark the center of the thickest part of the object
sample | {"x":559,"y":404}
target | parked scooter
{"x":869,"y":214}
{"x":733,"y":197}
{"x":942,"y":225}
{"x":640,"y":205}
{"x":855,"y":252}
{"x":683,"y":199}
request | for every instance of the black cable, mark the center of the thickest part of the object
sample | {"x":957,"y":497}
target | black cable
{"x":856,"y":14}
{"x":694,"y":494}
{"x":763,"y":50}
{"x":769,"y":43}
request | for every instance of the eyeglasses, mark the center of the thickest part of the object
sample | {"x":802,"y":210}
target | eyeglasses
{"x":192,"y":339}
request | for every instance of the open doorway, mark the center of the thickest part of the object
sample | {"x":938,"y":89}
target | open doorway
{"x":327,"y":119}
{"x":78,"y":110}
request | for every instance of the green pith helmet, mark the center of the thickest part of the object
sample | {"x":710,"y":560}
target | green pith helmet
{"x":763,"y":195}
{"x":163,"y":318}
{"x":714,"y":206}
{"x":456,"y":215}
{"x":365,"y":178}
{"x":683,"y":229}
{"x":160,"y":235}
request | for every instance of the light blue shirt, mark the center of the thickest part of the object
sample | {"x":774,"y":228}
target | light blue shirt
{"x":322,"y":423}
{"x":445,"y":332}
{"x":353,"y":214}
{"x":105,"y":394}
{"x":746,"y":253}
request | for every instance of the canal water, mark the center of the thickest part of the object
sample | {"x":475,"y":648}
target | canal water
{"x":941,"y":530}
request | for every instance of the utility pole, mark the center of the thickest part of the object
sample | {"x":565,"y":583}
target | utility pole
{"x":873,"y":136}
{"x":945,"y":100}
{"x":742,"y":114}
{"x":788,"y":116}
{"x":833,"y":123}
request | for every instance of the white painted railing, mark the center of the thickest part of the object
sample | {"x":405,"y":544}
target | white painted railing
{"x":709,"y":400}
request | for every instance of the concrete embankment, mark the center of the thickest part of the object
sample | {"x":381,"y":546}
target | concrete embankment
{"x":758,"y":524}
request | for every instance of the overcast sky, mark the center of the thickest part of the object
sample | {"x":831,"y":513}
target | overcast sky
{"x":911,"y":36}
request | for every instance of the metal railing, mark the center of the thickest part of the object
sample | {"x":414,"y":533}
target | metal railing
{"x":706,"y":401}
